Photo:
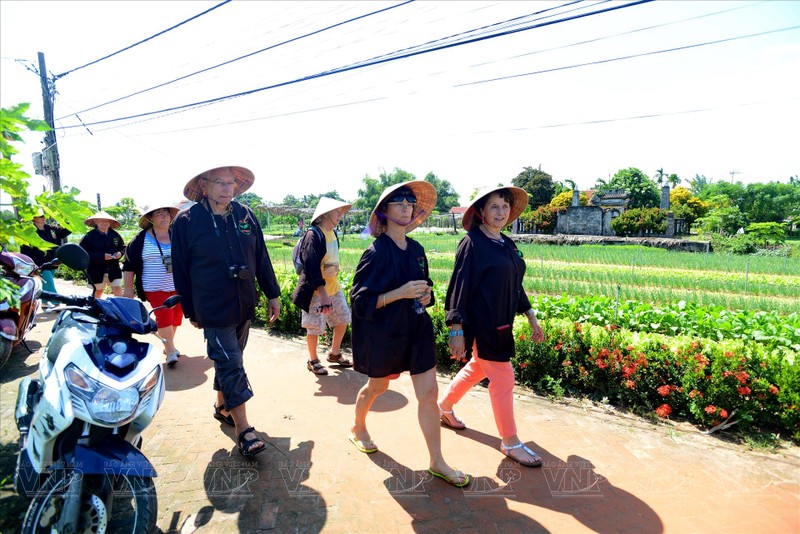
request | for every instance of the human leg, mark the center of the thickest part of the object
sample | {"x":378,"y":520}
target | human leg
{"x":338,"y":318}
{"x":501,"y":394}
{"x":116,"y":286}
{"x":314,"y":323}
{"x":225,"y":350}
{"x":426,"y":390}
{"x":48,"y":283}
{"x":373,"y":389}
{"x":468,"y":376}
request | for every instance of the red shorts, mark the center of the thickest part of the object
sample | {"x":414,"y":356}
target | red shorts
{"x":167,"y":316}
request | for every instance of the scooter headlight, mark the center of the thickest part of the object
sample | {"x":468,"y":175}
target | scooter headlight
{"x":105,"y":404}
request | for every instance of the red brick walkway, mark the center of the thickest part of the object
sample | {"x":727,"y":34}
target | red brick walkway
{"x":602,"y":471}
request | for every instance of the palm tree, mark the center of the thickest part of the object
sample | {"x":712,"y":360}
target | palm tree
{"x":571,"y":184}
{"x":673,"y":180}
{"x":659,"y":177}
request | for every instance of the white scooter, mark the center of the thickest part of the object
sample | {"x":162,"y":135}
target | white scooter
{"x":80,"y":421}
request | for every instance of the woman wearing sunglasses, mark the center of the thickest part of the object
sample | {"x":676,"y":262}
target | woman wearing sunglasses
{"x":484,"y":295}
{"x":392,"y":331}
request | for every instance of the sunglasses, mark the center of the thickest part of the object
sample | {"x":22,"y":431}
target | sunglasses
{"x":396,"y":199}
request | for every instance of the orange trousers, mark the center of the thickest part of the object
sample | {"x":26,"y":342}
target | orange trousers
{"x":501,"y":389}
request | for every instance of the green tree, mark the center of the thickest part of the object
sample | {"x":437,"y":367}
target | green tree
{"x":698,"y":184}
{"x":446,"y":196}
{"x":660,"y":176}
{"x":734,"y":192}
{"x":250,"y":200}
{"x":673,"y":180}
{"x":642,"y":191}
{"x":126,"y":212}
{"x":770,"y":202}
{"x":61,"y":206}
{"x":368,"y":197}
{"x":538,"y":184}
{"x":725,"y":221}
{"x":768,"y":232}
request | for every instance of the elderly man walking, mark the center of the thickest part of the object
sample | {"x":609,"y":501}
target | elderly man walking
{"x":218,"y":254}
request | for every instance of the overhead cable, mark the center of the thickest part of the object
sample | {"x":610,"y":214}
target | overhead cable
{"x":142,"y":41}
{"x":631,"y":56}
{"x":366,"y":64}
{"x":240,"y":58}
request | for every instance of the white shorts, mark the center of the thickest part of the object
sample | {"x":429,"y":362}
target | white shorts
{"x":314,"y":321}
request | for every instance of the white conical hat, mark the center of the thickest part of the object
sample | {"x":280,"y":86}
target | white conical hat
{"x":327,"y":205}
{"x":91,"y":221}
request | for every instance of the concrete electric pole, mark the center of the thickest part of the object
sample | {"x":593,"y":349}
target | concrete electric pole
{"x":50,"y":160}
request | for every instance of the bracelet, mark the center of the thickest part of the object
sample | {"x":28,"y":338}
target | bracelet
{"x":454,"y":333}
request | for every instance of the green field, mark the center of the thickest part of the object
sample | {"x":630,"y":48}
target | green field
{"x":656,"y":276}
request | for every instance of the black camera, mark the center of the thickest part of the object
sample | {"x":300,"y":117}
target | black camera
{"x":238,"y":271}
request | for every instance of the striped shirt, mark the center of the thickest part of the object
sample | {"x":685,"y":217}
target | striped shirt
{"x":154,"y":274}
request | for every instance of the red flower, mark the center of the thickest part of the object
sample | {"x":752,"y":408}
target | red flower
{"x":663,"y":391}
{"x":742,"y":377}
{"x":743,"y":390}
{"x":566,"y":363}
{"x":729,"y":354}
{"x":773,"y":390}
{"x":630,"y":384}
{"x":694,"y":393}
{"x":663,"y":411}
{"x":523,"y":365}
{"x":630,"y":348}
{"x":723,"y":413}
{"x":600,"y":363}
{"x":711,"y":409}
{"x":522,"y":337}
{"x":558,"y":346}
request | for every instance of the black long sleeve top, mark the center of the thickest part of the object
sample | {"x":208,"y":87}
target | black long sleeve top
{"x":97,"y":245}
{"x":201,"y":259}
{"x":51,"y":234}
{"x":485,"y":292}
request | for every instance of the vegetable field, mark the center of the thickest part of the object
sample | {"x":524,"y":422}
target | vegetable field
{"x":708,"y":338}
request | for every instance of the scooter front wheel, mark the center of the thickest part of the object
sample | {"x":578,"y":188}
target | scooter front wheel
{"x":109,"y":503}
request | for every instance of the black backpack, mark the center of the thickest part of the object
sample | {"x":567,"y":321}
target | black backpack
{"x":296,"y":260}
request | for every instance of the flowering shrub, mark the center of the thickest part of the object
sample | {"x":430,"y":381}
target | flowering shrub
{"x":700,"y":380}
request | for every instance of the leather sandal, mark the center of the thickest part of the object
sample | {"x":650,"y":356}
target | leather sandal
{"x":315,"y":367}
{"x":340,"y":360}
{"x":227,"y":419}
{"x":450,"y":420}
{"x":246,"y":445}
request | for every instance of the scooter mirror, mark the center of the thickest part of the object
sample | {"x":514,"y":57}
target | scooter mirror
{"x":73,"y":256}
{"x":172,"y":301}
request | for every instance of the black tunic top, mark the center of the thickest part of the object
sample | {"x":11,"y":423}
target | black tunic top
{"x":395,"y":338}
{"x":485,"y":292}
{"x":201,"y":261}
{"x":51,"y":234}
{"x":97,"y":245}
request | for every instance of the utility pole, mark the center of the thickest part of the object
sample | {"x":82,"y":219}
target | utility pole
{"x":732,"y":173}
{"x":50,"y":160}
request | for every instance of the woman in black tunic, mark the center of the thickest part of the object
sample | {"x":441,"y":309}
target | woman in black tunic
{"x":484,"y":294}
{"x":392,"y":331}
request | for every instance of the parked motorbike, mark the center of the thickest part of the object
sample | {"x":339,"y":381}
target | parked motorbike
{"x":16,"y":322}
{"x":80,"y":422}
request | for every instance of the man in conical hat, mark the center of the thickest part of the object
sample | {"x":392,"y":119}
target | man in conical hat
{"x":218,"y":255}
{"x":105,"y":247}
{"x":319,"y":294}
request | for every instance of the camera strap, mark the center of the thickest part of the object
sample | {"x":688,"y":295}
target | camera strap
{"x":222,"y":242}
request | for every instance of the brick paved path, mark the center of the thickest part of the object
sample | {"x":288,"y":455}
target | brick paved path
{"x":602,"y":472}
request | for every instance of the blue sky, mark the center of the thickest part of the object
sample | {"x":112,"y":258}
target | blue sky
{"x":474,"y":114}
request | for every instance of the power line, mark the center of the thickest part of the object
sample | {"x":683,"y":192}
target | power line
{"x":631,"y":56}
{"x":142,"y":41}
{"x":240,"y":58}
{"x":374,"y":61}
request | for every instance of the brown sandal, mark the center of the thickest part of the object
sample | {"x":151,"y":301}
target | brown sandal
{"x":339,"y":360}
{"x":315,"y":367}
